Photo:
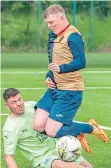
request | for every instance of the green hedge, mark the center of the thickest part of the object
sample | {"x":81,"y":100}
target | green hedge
{"x":20,"y":29}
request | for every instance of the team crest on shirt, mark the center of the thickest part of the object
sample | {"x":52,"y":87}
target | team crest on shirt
{"x":41,"y":136}
{"x":24,"y":130}
{"x":5,"y":136}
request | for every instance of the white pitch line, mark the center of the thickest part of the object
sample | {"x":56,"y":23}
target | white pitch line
{"x":87,"y":88}
{"x":100,"y":72}
{"x":101,"y":126}
{"x":24,"y":72}
{"x":4,"y":114}
{"x":105,"y":128}
{"x":98,"y":87}
{"x":43,"y":72}
{"x":27,"y":88}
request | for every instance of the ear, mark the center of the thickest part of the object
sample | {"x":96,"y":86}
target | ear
{"x":6,"y":106}
{"x":62,"y":17}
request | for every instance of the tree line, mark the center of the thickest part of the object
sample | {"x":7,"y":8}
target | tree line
{"x":102,"y":8}
{"x":21,"y":24}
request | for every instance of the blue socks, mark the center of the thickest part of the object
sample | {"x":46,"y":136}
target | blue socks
{"x":76,"y":128}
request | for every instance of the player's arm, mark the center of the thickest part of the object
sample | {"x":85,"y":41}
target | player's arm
{"x":50,"y":75}
{"x":10,"y":144}
{"x":76,"y":45}
{"x":50,"y":80}
{"x":10,"y":162}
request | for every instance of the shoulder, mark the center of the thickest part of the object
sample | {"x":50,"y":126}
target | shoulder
{"x":52,"y":35}
{"x":29,"y":108}
{"x":75,"y":37}
{"x":10,"y":124}
{"x":29,"y":103}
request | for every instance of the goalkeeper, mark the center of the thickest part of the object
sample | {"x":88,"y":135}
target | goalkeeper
{"x":36,"y":147}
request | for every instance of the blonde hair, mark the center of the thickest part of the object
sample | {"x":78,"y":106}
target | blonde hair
{"x":53,"y":9}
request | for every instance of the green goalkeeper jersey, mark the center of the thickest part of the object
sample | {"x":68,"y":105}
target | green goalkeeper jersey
{"x":18,"y":132}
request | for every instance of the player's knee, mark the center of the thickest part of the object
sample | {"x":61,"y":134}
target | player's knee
{"x":90,"y":166}
{"x":38,"y":127}
{"x":57,"y":164}
{"x":50,"y":132}
{"x":87,"y":165}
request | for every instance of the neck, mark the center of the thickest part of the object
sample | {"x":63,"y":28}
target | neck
{"x":65,"y":28}
{"x":12,"y":114}
{"x":65,"y":24}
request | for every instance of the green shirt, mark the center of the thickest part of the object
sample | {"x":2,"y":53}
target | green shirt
{"x":18,"y":132}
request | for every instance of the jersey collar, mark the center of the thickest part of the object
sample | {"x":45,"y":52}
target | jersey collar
{"x":64,"y":29}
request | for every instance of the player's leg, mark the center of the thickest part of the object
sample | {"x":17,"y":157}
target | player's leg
{"x":79,"y":163}
{"x":52,"y":127}
{"x":61,"y":164}
{"x":53,"y":162}
{"x":62,"y":113}
{"x":86,"y":164}
{"x":42,"y":110}
{"x":40,"y":119}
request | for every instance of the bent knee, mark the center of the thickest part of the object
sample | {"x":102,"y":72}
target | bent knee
{"x":50,"y":132}
{"x":38,"y":127}
{"x":90,"y":166}
{"x":57,"y":164}
{"x":86,"y":164}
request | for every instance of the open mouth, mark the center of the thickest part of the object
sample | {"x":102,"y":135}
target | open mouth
{"x":21,"y":108}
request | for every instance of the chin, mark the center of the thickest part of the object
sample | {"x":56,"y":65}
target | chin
{"x":54,"y":32}
{"x":21,"y":112}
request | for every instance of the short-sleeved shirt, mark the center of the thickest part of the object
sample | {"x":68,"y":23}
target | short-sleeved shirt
{"x":18,"y":132}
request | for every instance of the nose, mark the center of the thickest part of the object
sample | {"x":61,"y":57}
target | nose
{"x":49,"y":25}
{"x":19,"y":103}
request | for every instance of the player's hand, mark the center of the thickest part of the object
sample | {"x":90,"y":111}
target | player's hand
{"x":50,"y":84}
{"x":54,"y":67}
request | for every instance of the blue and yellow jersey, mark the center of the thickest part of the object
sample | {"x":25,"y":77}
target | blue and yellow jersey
{"x":67,"y":50}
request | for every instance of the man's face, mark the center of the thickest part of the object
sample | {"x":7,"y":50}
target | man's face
{"x":16,"y":105}
{"x":54,"y":22}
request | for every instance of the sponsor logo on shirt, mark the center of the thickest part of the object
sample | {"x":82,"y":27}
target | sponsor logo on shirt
{"x":59,"y":115}
{"x":5,"y":136}
{"x":24,"y":130}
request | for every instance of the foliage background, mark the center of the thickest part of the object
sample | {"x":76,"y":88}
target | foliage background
{"x":23,"y":27}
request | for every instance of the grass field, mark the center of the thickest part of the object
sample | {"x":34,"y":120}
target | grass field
{"x":96,"y":102}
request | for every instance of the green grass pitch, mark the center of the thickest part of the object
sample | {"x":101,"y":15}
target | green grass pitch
{"x":96,"y":103}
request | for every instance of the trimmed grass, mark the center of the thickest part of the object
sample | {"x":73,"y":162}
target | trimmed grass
{"x":96,"y":102}
{"x":23,"y":60}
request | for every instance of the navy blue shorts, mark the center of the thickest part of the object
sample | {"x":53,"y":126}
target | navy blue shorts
{"x":61,"y":104}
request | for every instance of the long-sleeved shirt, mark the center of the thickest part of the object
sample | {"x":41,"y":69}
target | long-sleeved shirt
{"x":67,"y":50}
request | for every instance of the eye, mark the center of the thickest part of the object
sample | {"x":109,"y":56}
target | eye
{"x":13,"y":102}
{"x":51,"y":22}
{"x":20,"y":100}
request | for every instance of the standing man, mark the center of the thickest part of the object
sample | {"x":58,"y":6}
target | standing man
{"x":36,"y":147}
{"x":59,"y":105}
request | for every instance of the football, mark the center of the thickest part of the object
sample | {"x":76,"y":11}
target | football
{"x":68,"y":148}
